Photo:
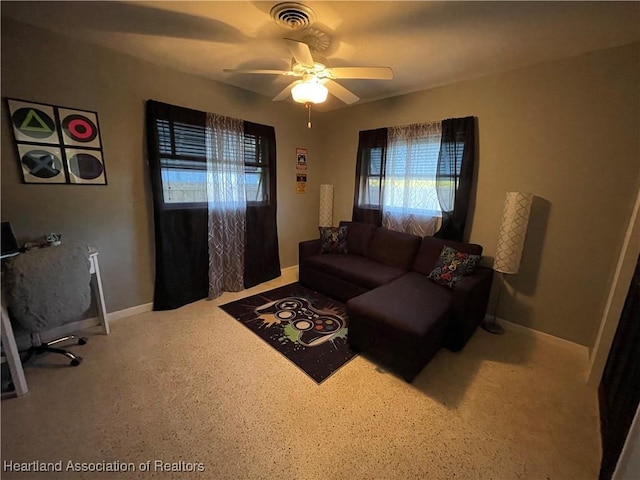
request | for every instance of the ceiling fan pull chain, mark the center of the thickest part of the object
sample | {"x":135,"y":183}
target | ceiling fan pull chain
{"x":308,"y":105}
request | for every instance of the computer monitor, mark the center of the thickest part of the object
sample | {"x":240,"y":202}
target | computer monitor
{"x":8,"y":242}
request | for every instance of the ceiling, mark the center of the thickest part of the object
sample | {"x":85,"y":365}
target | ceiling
{"x":427,"y":43}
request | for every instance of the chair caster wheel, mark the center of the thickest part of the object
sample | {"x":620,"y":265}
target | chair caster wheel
{"x":76,"y":361}
{"x":82,"y":340}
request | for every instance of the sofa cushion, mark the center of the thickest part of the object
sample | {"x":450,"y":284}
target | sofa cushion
{"x":354,"y":268}
{"x":396,"y":249}
{"x":411,"y":304}
{"x":431,"y":248}
{"x":452,"y":266}
{"x":333,"y":239}
{"x":358,"y":236}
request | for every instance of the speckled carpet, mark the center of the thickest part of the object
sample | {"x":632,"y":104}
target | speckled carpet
{"x":307,"y":327}
{"x":192,"y":387}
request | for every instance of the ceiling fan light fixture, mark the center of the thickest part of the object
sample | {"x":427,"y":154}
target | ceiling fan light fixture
{"x":309,"y":92}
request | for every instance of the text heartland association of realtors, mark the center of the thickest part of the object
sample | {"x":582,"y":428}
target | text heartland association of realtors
{"x":104,"y":466}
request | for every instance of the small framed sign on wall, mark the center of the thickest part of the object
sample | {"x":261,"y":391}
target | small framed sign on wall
{"x":57,"y":144}
{"x":301,"y":170}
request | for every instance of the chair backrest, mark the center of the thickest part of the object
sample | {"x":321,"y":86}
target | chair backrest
{"x":48,"y":287}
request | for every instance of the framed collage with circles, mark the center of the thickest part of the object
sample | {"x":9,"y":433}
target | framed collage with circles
{"x":57,"y":144}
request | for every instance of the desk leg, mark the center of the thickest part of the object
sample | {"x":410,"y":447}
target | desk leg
{"x":102,"y":310}
{"x":13,"y":357}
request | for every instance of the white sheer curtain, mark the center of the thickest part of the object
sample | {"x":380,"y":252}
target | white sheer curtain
{"x":409,"y":200}
{"x":227,"y":203}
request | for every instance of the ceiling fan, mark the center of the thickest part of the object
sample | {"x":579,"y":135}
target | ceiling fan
{"x":316,"y":79}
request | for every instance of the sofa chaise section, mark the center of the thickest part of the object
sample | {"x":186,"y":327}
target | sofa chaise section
{"x":401,"y":324}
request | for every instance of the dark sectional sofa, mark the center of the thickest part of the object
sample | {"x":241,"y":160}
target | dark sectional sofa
{"x":397,"y":315}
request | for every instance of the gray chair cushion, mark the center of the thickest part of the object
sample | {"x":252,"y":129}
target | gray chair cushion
{"x":48,"y":287}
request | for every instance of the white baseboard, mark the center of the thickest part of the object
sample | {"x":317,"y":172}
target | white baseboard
{"x":508,"y":326}
{"x":148,"y":307}
{"x":62,"y":330}
{"x":293,"y":270}
{"x":71,"y":327}
{"x":128,"y":312}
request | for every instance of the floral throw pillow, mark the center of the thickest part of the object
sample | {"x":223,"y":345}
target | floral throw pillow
{"x":333,"y":239}
{"x":452,"y":266}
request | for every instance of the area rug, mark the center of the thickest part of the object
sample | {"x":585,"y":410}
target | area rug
{"x":305,"y":326}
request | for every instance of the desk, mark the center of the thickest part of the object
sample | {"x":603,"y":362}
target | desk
{"x":12,"y":355}
{"x":9,"y":341}
{"x":97,"y":290}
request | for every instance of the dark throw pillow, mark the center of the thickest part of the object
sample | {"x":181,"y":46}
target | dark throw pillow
{"x":452,"y":266}
{"x":472,"y":262}
{"x":333,"y":239}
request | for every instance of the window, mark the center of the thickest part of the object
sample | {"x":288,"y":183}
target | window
{"x":371,"y":178}
{"x":183,"y":164}
{"x":406,"y":179}
{"x":409,"y":198}
{"x":256,"y":169}
{"x":410,"y":177}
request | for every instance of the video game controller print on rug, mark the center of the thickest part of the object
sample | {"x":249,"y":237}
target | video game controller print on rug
{"x":303,"y":323}
{"x":307,"y":327}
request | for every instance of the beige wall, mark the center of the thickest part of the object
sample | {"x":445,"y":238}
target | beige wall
{"x":568,"y":132}
{"x":118,"y":218}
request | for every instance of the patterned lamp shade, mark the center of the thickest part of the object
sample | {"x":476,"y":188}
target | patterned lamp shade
{"x":515,"y":218}
{"x":326,"y":206}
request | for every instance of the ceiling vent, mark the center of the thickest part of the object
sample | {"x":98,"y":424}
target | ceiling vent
{"x":293,"y":16}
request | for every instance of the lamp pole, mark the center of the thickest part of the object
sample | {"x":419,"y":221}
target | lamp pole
{"x":492,"y":326}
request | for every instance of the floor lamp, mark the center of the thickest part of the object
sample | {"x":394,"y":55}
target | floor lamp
{"x":326,"y":206}
{"x":515,"y":219}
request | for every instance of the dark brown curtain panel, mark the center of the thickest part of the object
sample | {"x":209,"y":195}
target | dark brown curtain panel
{"x":182,"y":258}
{"x":454,"y":176}
{"x":262,"y":257}
{"x":370,"y":167}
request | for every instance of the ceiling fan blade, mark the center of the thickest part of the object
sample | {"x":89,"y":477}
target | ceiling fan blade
{"x":300,"y":52}
{"x":339,"y":91}
{"x":284,"y":94}
{"x":375,"y":73}
{"x":259,"y":70}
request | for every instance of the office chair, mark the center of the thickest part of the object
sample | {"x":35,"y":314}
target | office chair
{"x":46,"y":288}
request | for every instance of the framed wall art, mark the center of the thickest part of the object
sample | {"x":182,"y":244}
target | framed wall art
{"x":57,"y":144}
{"x":301,"y":170}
